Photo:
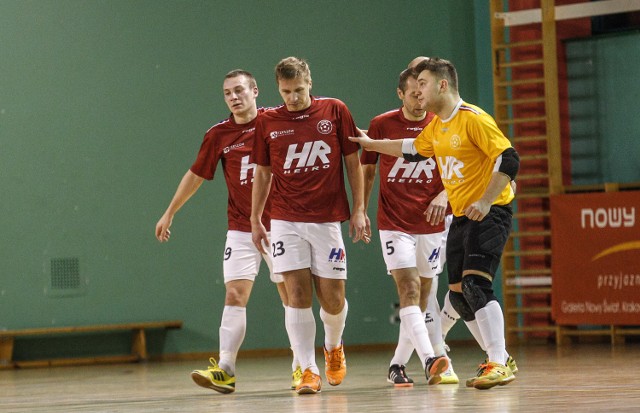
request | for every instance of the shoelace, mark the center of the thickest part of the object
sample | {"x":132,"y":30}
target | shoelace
{"x":400,"y":374}
{"x":335,"y":359}
{"x":307,"y":377}
{"x":482,"y":368}
{"x":214,"y":364}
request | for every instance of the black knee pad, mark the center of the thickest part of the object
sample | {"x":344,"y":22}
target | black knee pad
{"x":461,"y":306}
{"x":478,"y":291}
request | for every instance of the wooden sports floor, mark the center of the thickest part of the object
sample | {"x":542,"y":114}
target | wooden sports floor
{"x":577,"y":378}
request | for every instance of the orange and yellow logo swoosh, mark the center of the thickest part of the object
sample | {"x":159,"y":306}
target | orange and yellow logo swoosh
{"x":625,"y":246}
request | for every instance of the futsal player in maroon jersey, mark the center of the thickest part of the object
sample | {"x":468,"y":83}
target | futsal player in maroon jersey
{"x":230,"y":142}
{"x":300,"y":151}
{"x":411,"y":243}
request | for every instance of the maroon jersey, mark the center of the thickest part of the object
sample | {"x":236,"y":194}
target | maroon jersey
{"x":305,"y":150}
{"x":406,"y":188}
{"x":232,"y":144}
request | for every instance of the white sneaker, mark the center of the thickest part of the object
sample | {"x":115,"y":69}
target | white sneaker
{"x":449,"y":376}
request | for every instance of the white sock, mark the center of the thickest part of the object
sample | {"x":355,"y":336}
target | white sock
{"x":413,"y":321}
{"x":432,"y":320}
{"x":232,"y":329}
{"x":404,"y":349}
{"x":334,"y":326}
{"x":435,"y":333}
{"x":491,"y":322}
{"x":294,"y":363}
{"x":448,"y":315}
{"x":475,"y":331}
{"x":302,"y":327}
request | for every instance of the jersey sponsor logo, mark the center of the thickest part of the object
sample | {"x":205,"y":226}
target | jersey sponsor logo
{"x":245,"y":167}
{"x":412,"y":172}
{"x":232,"y":147}
{"x":300,"y":117}
{"x":277,"y":133}
{"x":415,"y":129}
{"x":337,"y":255}
{"x":325,"y":127}
{"x":307,"y":157}
{"x":249,"y":130}
{"x":451,"y":168}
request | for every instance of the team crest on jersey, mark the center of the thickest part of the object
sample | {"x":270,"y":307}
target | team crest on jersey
{"x":455,"y":142}
{"x":337,"y":255}
{"x":325,"y":127}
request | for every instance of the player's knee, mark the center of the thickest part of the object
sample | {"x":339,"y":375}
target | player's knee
{"x":411,"y":294}
{"x":461,"y":306}
{"x":236,"y":298}
{"x":332,"y":302}
{"x":333,"y":307}
{"x":477,"y":291}
{"x":409,"y":289}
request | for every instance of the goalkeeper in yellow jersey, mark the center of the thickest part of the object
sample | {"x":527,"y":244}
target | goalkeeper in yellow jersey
{"x":477,"y":164}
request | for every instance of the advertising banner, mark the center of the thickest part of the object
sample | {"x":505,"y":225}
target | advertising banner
{"x":595,"y":253}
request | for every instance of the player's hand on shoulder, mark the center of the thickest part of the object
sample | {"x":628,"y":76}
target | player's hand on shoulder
{"x":362,"y":139}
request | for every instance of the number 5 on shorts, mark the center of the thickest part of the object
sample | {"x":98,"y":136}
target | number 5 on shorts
{"x":390,"y":249}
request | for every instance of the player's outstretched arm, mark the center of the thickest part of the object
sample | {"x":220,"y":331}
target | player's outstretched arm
{"x":386,"y":146}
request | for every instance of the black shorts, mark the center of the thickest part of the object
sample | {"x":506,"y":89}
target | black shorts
{"x":477,"y":245}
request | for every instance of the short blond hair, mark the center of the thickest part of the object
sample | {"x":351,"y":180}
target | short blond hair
{"x":292,"y":68}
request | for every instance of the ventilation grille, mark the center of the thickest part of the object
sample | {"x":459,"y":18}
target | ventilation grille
{"x":64,"y":277}
{"x":65,"y":273}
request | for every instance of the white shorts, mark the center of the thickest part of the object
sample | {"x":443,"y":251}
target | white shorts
{"x":298,"y":245}
{"x":421,"y":251}
{"x":241,"y":259}
{"x":445,"y":234}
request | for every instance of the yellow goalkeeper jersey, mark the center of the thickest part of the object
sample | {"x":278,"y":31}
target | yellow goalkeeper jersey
{"x":466,"y":147}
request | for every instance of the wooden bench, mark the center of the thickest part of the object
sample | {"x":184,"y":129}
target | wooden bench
{"x":138,"y":343}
